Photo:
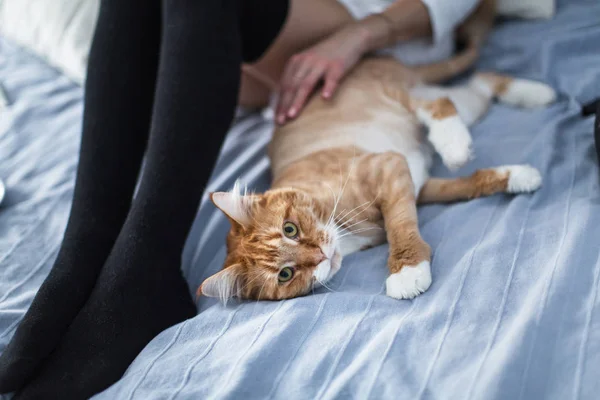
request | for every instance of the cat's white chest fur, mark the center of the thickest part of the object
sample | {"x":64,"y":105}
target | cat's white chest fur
{"x":373,"y":235}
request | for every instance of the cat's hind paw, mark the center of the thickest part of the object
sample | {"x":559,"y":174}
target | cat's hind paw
{"x":527,"y":94}
{"x":409,"y":282}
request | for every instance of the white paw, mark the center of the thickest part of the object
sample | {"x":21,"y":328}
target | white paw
{"x":521,"y":178}
{"x":529,"y":94}
{"x":409,"y":282}
{"x":451,"y":139}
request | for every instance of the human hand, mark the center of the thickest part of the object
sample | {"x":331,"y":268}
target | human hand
{"x":328,"y":61}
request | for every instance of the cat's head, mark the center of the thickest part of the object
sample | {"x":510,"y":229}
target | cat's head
{"x":281,"y":245}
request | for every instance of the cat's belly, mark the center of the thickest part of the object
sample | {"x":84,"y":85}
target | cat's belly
{"x":386,"y":131}
{"x":418,"y":154}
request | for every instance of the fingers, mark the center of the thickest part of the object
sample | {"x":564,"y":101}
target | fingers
{"x":284,"y":92}
{"x":285,"y":99}
{"x":299,"y":80}
{"x":296,"y":69}
{"x":305,"y":89}
{"x":332,"y":78}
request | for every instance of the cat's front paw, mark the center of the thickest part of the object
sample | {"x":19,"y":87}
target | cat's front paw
{"x":521,"y":178}
{"x":451,"y":139}
{"x":410,"y":281}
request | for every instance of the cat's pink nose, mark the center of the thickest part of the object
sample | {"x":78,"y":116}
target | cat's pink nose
{"x":321,"y":257}
{"x":314,"y":256}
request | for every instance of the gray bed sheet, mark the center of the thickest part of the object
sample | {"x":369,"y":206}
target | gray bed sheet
{"x":513,"y":312}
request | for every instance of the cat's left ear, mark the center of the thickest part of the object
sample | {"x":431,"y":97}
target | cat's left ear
{"x":236,"y":206}
{"x":223,"y":285}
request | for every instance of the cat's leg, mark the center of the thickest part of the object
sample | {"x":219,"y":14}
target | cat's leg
{"x":484,"y":182}
{"x":389,"y":179}
{"x":473,"y":99}
{"x":513,"y":91}
{"x":447,"y":132}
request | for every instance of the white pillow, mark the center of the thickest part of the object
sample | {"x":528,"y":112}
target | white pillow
{"x":530,"y":9}
{"x":60,"y":31}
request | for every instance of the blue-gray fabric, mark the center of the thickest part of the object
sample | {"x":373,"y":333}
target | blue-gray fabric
{"x":514,"y":309}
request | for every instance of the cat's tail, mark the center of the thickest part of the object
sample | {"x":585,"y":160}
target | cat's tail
{"x":472,"y":33}
{"x":447,"y":69}
{"x":484,"y":182}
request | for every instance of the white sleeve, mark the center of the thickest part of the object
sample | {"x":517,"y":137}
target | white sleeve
{"x":446,"y":15}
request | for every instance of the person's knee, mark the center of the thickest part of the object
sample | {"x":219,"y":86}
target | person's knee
{"x":138,"y":9}
{"x":210,"y":16}
{"x":253,"y":94}
{"x":260,"y":23}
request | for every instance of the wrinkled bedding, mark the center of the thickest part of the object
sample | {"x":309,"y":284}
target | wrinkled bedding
{"x":513,"y":311}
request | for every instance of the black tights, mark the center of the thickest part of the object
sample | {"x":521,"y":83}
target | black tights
{"x":163,"y":80}
{"x":589,"y":109}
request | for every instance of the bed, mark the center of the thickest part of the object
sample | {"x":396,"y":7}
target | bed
{"x":513,"y":311}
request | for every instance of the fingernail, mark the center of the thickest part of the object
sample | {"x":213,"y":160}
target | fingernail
{"x":326,"y":94}
{"x":292,"y":112}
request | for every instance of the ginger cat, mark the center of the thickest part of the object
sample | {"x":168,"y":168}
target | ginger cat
{"x":349,"y":172}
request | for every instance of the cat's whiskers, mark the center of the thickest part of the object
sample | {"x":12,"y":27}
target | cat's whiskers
{"x":346,"y":224}
{"x":345,"y":214}
{"x":334,"y":200}
{"x":356,"y":232}
{"x":357,"y":214}
{"x":345,"y":183}
{"x":332,"y":224}
{"x":356,"y":223}
{"x":360,"y":231}
{"x":342,"y":224}
{"x":326,"y":287}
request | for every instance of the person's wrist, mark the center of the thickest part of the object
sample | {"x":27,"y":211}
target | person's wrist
{"x":359,"y":34}
{"x":377,"y":32}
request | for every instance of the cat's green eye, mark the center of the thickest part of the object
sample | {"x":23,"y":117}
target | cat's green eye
{"x":290,"y":230}
{"x":286,"y":274}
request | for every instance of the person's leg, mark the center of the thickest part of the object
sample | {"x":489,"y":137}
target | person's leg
{"x":118,"y":103}
{"x":141,"y":290}
{"x":590,"y":108}
{"x":309,"y":21}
